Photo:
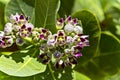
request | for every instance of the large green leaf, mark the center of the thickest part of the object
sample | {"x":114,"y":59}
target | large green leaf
{"x":30,"y":65}
{"x":66,"y":7}
{"x":25,"y":7}
{"x":92,"y":5}
{"x":42,"y":76}
{"x":45,"y":14}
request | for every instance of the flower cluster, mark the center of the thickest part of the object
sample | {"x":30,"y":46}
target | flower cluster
{"x":18,"y":28}
{"x":65,"y":45}
{"x":63,"y":48}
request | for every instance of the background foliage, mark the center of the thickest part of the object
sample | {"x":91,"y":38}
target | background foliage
{"x":100,"y":20}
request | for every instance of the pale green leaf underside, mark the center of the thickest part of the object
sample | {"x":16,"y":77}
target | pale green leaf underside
{"x":29,"y":67}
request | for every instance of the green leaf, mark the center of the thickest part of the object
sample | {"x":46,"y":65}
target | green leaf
{"x":80,"y":76}
{"x":25,"y":7}
{"x":22,"y":63}
{"x":29,"y":67}
{"x":66,"y":7}
{"x":92,"y":5}
{"x":45,"y":14}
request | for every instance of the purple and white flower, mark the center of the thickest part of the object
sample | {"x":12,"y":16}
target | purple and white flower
{"x":19,"y":42}
{"x":60,"y":23}
{"x":6,"y":41}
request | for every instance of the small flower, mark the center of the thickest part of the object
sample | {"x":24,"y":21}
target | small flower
{"x":7,"y":41}
{"x":26,"y":30}
{"x":18,"y":19}
{"x":44,"y":34}
{"x":14,"y":18}
{"x":45,"y":58}
{"x":60,"y":23}
{"x":61,"y":38}
{"x":8,"y":28}
{"x":22,"y":19}
{"x":60,"y":63}
{"x":19,"y":42}
{"x":57,"y":54}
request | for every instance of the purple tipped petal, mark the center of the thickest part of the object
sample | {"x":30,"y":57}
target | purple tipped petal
{"x":80,"y":34}
{"x":21,"y":16}
{"x":69,"y":18}
{"x":23,"y":27}
{"x":27,"y":18}
{"x":75,"y":21}
{"x":16,"y":18}
{"x":78,"y":54}
{"x":44,"y":30}
{"x":29,"y":29}
{"x":60,"y":34}
{"x":79,"y":47}
{"x":82,"y":39}
{"x":42,"y":36}
{"x":61,"y":20}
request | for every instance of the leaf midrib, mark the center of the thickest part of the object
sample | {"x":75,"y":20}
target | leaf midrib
{"x":46,"y":14}
{"x":26,"y":62}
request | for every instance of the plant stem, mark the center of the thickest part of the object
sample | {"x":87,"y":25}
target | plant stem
{"x":51,"y":71}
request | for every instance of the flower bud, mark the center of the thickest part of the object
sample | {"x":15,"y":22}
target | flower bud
{"x":78,"y":30}
{"x":8,"y":28}
{"x":19,"y":42}
{"x":69,"y":28}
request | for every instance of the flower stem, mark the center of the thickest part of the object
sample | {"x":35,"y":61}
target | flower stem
{"x":51,"y":71}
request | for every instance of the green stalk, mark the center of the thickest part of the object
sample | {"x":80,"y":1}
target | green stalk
{"x":51,"y":71}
